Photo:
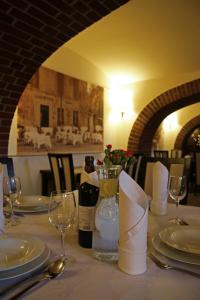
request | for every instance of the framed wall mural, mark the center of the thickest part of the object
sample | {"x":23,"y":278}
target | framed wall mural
{"x":59,"y":113}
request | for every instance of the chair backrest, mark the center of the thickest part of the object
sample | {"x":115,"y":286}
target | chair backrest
{"x":62,"y":169}
{"x":197,"y":161}
{"x":8,"y":162}
{"x":130,"y":170}
{"x":1,"y":198}
{"x":176,"y":166}
{"x":176,"y":153}
{"x":161,"y":153}
{"x":133,"y":172}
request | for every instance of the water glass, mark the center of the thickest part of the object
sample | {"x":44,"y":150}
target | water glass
{"x":62,"y":210}
{"x":177,"y":191}
{"x":12,"y":194}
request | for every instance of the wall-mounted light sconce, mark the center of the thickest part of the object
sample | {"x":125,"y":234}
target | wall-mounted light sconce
{"x":122,"y":114}
{"x":121,"y":105}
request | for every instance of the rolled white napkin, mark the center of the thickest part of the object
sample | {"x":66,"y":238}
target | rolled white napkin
{"x":133,"y":219}
{"x":160,"y":190}
{"x":1,"y":199}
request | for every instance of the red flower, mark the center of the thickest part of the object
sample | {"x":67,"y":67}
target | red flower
{"x":109,"y":146}
{"x":128,"y":153}
{"x":116,"y":155}
{"x":99,"y":162}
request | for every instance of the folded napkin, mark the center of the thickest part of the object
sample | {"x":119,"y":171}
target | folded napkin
{"x":160,"y":190}
{"x":1,"y":198}
{"x":133,"y":219}
{"x":91,"y":178}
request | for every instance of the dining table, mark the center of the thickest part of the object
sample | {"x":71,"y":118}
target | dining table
{"x":92,"y":279}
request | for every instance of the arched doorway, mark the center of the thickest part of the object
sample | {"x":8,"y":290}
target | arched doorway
{"x":148,"y":121}
{"x":184,"y":134}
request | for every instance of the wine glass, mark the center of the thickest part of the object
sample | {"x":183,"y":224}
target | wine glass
{"x":62,"y":209}
{"x":177,"y":191}
{"x":12,"y":194}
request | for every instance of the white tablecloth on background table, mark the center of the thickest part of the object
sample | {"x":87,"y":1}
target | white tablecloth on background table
{"x":94,"y":280}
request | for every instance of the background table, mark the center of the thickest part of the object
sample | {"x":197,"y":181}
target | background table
{"x":94,"y":280}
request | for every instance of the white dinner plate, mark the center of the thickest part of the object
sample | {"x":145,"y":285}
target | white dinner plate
{"x":174,"y":254}
{"x":28,"y":268}
{"x":18,"y":249}
{"x":32,"y":203}
{"x":184,"y":238}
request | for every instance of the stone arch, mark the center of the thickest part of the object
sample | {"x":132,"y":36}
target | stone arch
{"x":145,"y":126}
{"x":30,"y":33}
{"x":185,"y":131}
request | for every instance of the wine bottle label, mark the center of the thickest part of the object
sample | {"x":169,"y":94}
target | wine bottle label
{"x":86,"y":218}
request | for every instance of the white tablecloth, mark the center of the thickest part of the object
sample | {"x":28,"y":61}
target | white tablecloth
{"x":94,"y":280}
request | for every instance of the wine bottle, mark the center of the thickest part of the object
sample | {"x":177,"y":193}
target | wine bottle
{"x":88,"y":196}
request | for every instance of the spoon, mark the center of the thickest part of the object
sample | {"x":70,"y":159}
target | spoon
{"x":53,"y":270}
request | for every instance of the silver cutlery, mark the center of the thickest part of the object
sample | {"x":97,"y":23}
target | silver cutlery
{"x":165,"y":266}
{"x":53,"y":270}
{"x":182,"y":222}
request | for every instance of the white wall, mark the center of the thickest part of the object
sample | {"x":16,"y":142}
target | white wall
{"x":68,"y":62}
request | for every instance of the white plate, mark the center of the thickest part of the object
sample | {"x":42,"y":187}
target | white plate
{"x":181,"y":256}
{"x":40,"y":262}
{"x":184,"y":238}
{"x":17,"y":250}
{"x":32,"y":203}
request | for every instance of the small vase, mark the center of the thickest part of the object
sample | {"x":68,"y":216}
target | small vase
{"x":106,"y":233}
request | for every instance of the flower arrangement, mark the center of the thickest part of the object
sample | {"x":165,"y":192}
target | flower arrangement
{"x":117,"y":157}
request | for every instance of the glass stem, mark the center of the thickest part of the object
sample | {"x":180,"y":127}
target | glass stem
{"x":11,"y":210}
{"x":177,"y":203}
{"x":63,"y":243}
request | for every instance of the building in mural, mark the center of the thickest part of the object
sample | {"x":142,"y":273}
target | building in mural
{"x":57,"y":112}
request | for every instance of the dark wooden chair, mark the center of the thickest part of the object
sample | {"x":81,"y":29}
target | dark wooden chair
{"x":133,"y":171}
{"x":62,"y":169}
{"x":197,"y":175}
{"x":176,"y":166}
{"x":8,"y":161}
{"x":176,"y":153}
{"x":161,"y":153}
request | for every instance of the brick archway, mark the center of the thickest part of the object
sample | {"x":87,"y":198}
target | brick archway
{"x":189,"y":127}
{"x":145,"y":126}
{"x":30,"y":33}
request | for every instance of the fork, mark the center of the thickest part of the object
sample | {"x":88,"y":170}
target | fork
{"x":165,"y":266}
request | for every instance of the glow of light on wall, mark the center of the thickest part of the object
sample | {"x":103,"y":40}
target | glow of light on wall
{"x":170,"y":123}
{"x":121,"y":79}
{"x":121,"y":104}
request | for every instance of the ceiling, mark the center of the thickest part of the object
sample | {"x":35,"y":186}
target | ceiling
{"x":144,"y":39}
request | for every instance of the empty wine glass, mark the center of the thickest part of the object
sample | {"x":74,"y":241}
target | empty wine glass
{"x":12,"y":193}
{"x":62,"y":209}
{"x":177,"y":191}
